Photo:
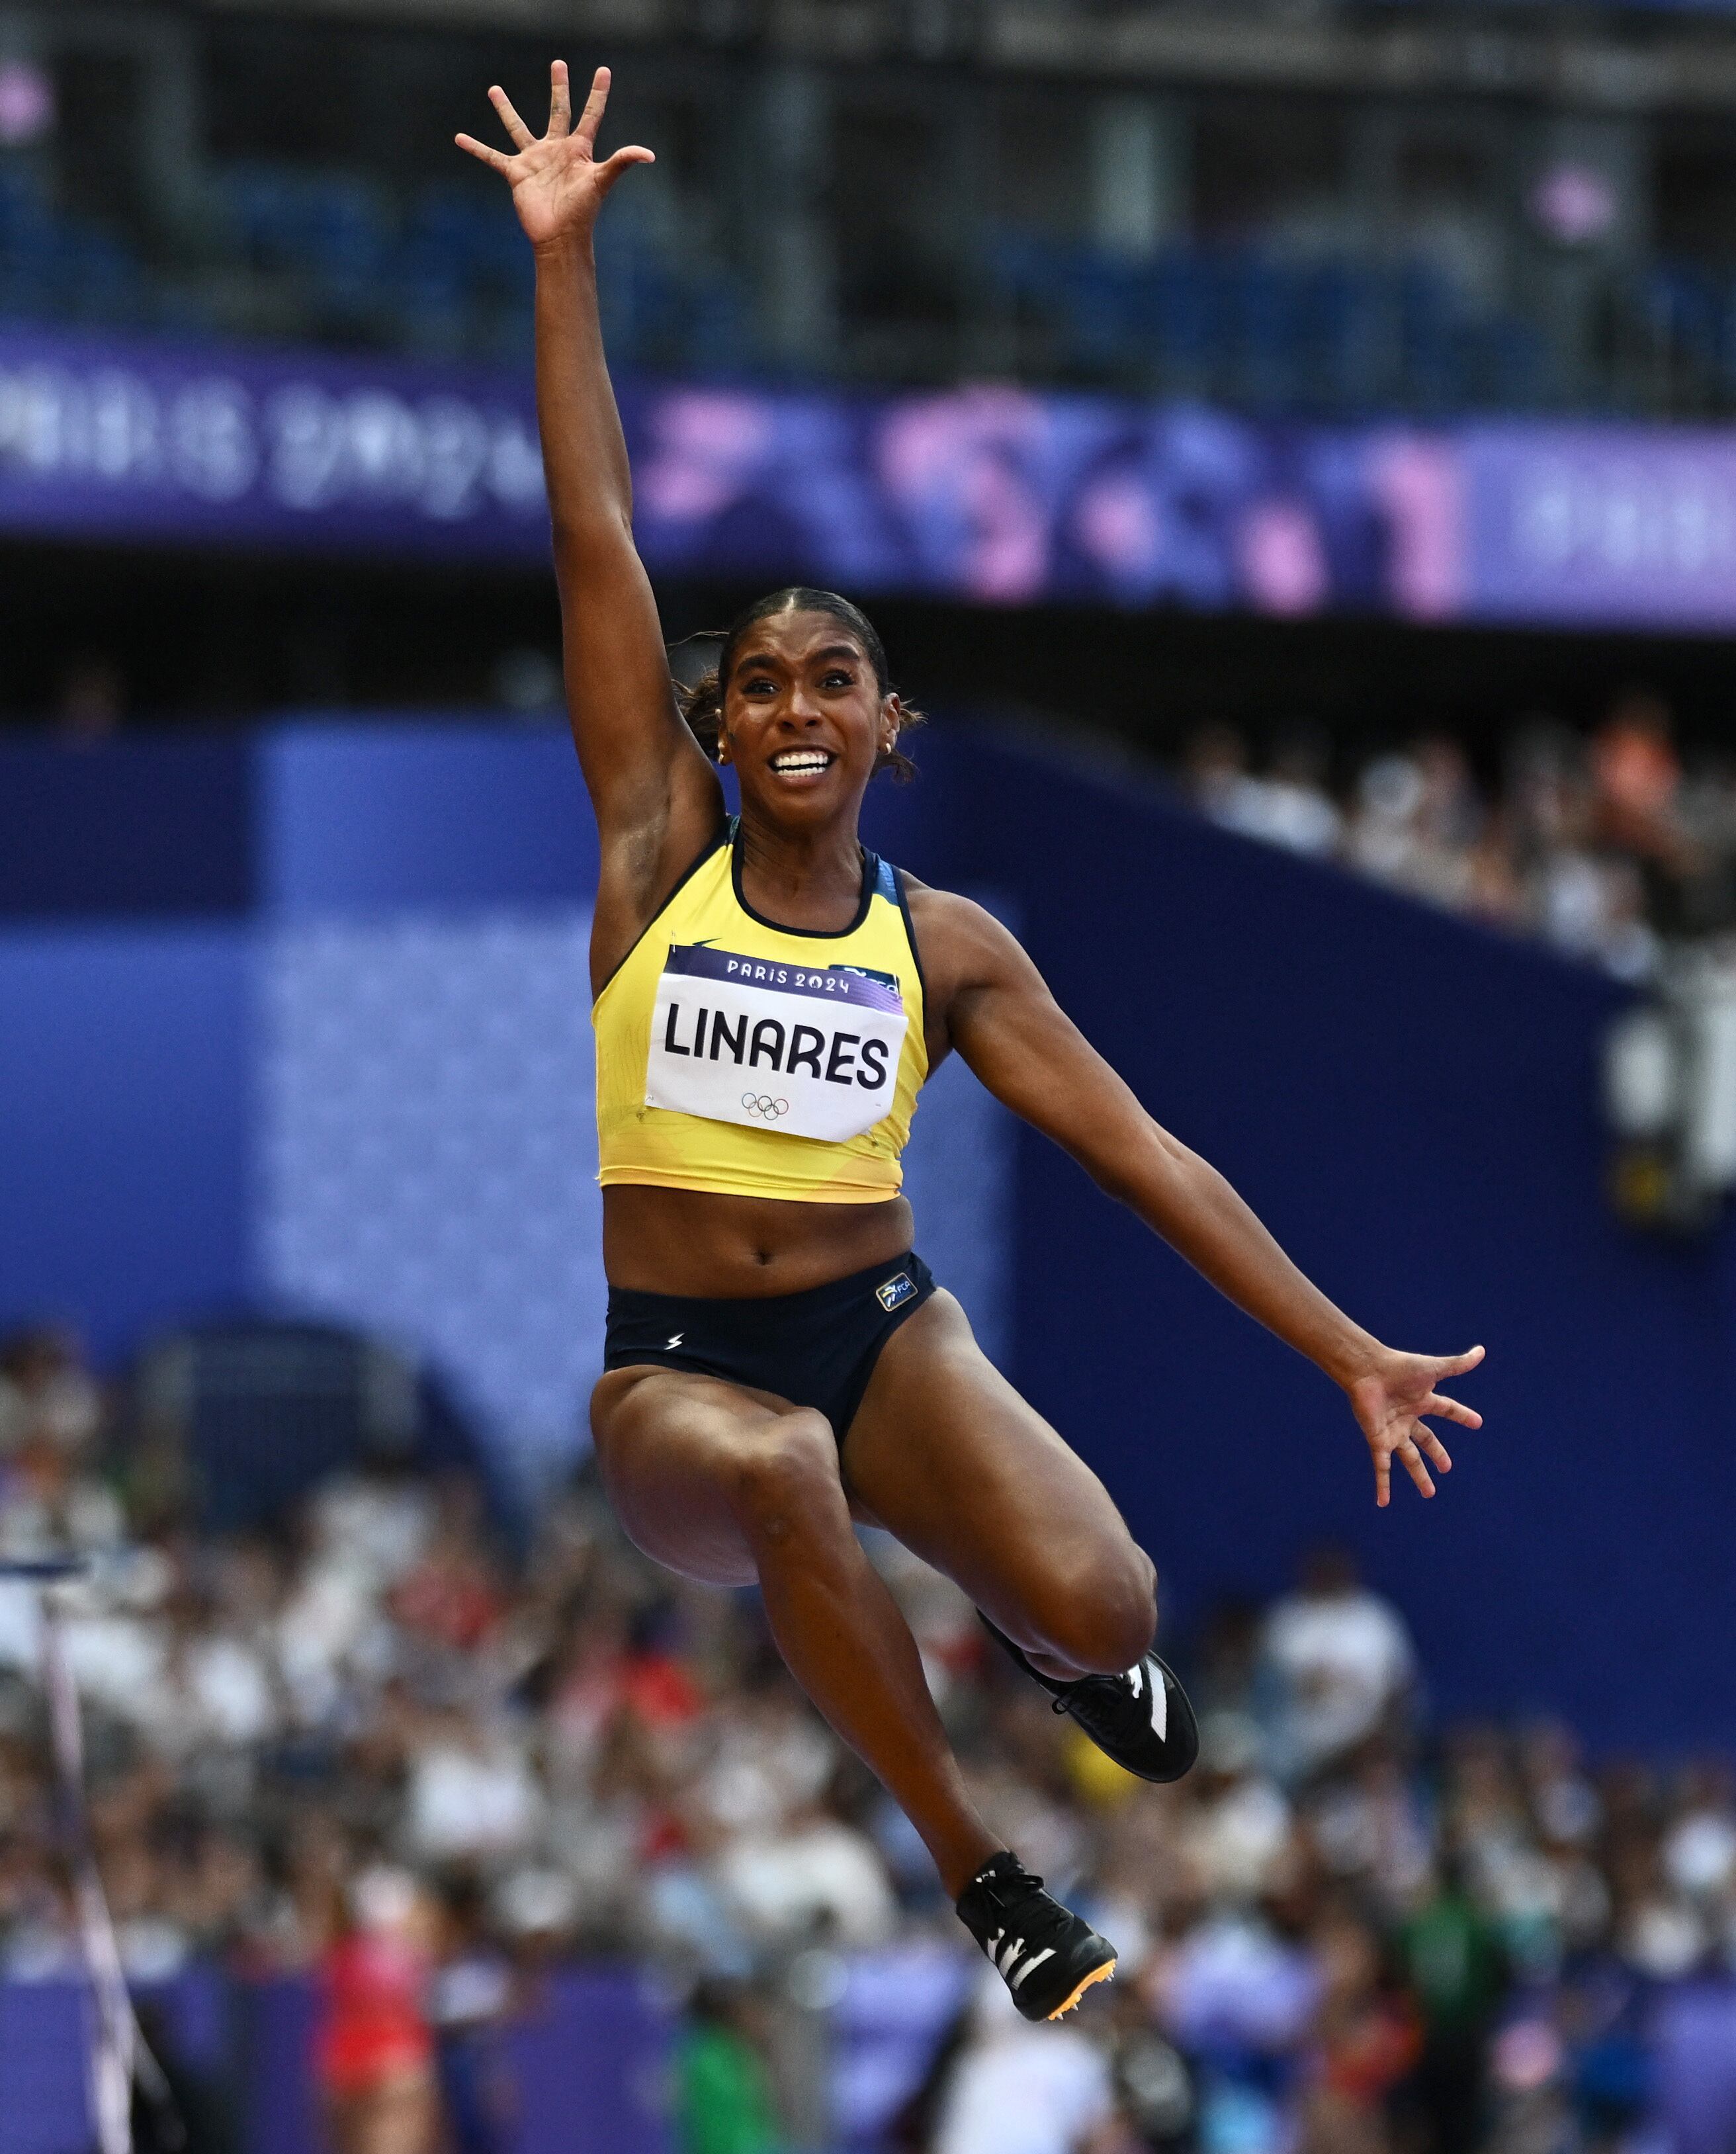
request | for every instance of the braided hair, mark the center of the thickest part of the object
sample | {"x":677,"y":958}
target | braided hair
{"x":701,"y":703}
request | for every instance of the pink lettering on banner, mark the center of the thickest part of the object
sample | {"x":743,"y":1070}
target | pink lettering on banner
{"x":1282,"y":558}
{"x":1420,"y":485}
{"x":1117,"y":522}
{"x":706,"y":451}
{"x":965,"y":468}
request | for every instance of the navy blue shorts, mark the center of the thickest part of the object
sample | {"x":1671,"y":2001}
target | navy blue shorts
{"x":816,"y":1349}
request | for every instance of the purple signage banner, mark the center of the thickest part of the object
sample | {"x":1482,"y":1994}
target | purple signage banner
{"x":1629,"y":526}
{"x":996,"y":496}
{"x":1005,"y":496}
{"x":135,"y":440}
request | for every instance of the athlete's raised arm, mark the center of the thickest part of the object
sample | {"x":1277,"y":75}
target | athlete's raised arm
{"x":996,"y":1010}
{"x":655,"y":795}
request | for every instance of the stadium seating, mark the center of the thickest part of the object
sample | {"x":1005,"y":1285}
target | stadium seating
{"x":328,"y":257}
{"x":1265,"y":331}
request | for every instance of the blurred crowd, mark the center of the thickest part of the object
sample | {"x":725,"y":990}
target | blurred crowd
{"x":1606,"y":847}
{"x":380,"y":1749}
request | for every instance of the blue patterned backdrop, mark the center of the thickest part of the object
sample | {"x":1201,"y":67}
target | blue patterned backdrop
{"x":425,"y":1157}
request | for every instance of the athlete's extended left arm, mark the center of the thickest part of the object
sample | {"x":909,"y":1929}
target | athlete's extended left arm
{"x":1011,"y":1031}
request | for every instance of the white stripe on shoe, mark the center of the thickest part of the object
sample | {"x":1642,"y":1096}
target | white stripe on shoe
{"x":1006,"y":1959}
{"x":1160,"y":1707}
{"x":1160,"y":1697}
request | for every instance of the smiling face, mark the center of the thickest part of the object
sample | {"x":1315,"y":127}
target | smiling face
{"x":804,"y":722}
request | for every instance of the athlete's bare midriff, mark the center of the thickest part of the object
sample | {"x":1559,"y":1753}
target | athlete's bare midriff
{"x":695,"y":1242}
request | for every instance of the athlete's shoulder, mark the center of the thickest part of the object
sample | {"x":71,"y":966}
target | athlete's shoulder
{"x":961,"y":942}
{"x":944,"y":911}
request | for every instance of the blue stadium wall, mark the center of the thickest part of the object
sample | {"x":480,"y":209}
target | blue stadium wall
{"x":1410,"y":1102}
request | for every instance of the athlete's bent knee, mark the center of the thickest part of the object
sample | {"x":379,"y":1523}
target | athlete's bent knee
{"x":784,"y":1478}
{"x":1107,"y":1621}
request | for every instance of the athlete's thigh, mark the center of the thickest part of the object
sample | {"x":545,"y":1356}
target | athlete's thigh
{"x":673,"y":1448}
{"x":945,"y":1454}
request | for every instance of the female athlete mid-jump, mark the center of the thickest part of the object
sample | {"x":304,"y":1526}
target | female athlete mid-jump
{"x":769,"y":999}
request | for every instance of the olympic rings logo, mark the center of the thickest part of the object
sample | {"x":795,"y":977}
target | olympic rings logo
{"x":762,"y":1109}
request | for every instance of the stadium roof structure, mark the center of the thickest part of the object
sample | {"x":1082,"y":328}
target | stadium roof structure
{"x":1613,"y":55}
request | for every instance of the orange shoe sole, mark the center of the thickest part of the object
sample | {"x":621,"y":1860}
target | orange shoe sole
{"x":1104,"y":1973}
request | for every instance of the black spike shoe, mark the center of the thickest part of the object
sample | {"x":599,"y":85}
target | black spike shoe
{"x":1142,"y":1719}
{"x":1047,"y":1956}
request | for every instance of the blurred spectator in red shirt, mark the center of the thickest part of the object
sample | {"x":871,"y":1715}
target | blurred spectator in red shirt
{"x":375,"y":2047}
{"x":452,"y":1593}
{"x":1637,"y":776}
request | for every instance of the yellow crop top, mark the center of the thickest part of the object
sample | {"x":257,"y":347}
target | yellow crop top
{"x":756,"y":1060}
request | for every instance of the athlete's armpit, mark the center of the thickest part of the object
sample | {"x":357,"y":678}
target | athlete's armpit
{"x":987,"y":998}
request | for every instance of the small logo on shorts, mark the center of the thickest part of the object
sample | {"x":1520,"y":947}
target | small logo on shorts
{"x":895,"y":1291}
{"x":675,"y":1342}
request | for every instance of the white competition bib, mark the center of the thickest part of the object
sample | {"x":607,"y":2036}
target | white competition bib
{"x":812,"y":1051}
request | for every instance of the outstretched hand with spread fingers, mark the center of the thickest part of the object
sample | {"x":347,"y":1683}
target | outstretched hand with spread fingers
{"x":558,"y":185}
{"x":1389,"y":1400}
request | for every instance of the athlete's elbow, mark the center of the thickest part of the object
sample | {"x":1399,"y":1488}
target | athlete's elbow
{"x":1112,"y":1177}
{"x":1125,"y":1168}
{"x":588,"y":530}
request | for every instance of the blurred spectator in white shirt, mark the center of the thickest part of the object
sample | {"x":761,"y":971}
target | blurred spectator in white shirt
{"x":48,"y":1398}
{"x":1344,"y":1663}
{"x":814,"y":1877}
{"x":1300,"y":813}
{"x":1216,"y":775}
{"x":1382,"y":840}
{"x":472,"y":1793}
{"x":1699,"y":1851}
{"x":51,"y":1417}
{"x":1290,"y":806}
{"x":1240,"y":1834}
{"x":1017,"y":2088}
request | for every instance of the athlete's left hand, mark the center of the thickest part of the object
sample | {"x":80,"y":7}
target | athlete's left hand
{"x":1389,"y":1399}
{"x":557,"y":181}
